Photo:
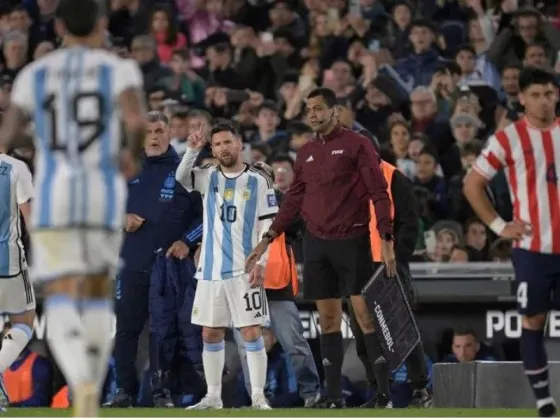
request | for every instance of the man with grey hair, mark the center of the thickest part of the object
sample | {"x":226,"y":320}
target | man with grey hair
{"x":14,"y":47}
{"x":161,"y":214}
{"x":144,"y":51}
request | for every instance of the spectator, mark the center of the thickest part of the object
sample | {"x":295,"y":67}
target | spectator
{"x":459,"y":255}
{"x":418,"y":66}
{"x":165,"y":32}
{"x":43,"y":48}
{"x":535,"y":56}
{"x":300,"y":134}
{"x":283,"y":168}
{"x":500,"y":250}
{"x":467,"y":348}
{"x":426,"y":177}
{"x":260,"y":152}
{"x":400,"y":140}
{"x":156,"y":96}
{"x":15,"y":48}
{"x":184,"y":84}
{"x":267,"y":121}
{"x":476,"y":239}
{"x":144,"y":51}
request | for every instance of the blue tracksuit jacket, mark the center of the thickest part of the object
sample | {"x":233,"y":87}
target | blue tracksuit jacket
{"x":172,"y":290}
{"x":170,"y":211}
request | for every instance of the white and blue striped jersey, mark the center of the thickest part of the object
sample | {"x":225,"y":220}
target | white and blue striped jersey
{"x":71,"y":97}
{"x":233,"y":208}
{"x":15,"y":189}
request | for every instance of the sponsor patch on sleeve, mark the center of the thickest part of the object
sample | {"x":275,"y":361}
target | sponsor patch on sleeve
{"x":271,"y":199}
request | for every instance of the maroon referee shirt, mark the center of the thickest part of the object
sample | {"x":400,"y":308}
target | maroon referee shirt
{"x":335,"y":177}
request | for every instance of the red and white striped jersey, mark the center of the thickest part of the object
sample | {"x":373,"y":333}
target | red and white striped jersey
{"x":530,"y":158}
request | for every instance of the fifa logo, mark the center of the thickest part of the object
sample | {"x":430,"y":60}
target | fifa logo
{"x":384,"y":328}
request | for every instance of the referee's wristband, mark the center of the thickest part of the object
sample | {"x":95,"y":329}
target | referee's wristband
{"x":498,"y":225}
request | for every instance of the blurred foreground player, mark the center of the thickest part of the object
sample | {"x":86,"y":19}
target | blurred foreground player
{"x":77,"y":97}
{"x":529,"y":153}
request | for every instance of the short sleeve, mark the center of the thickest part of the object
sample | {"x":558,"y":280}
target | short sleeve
{"x":268,"y":205}
{"x":493,"y":157}
{"x":128,"y":75}
{"x":22,"y":91}
{"x":24,"y":186}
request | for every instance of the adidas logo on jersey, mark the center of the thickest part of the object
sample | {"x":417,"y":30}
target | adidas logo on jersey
{"x":380,"y":359}
{"x":258,"y":315}
{"x":326,"y":362}
{"x":309,"y":159}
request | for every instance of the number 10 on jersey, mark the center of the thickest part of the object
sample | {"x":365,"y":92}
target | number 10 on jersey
{"x":228,"y":213}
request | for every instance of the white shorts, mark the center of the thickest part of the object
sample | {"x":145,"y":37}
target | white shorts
{"x":76,"y":252}
{"x":229,"y":303}
{"x":16,"y":294}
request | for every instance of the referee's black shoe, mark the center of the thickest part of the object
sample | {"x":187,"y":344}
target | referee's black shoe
{"x":379,"y":401}
{"x":329,"y":403}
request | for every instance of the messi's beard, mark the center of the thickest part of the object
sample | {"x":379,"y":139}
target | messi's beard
{"x":228,"y":161}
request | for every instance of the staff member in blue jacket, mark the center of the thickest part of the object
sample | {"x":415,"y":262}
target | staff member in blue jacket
{"x":155,"y":202}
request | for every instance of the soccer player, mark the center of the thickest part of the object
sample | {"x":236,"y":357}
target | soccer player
{"x":239,"y":204}
{"x":77,"y":98}
{"x":17,"y":298}
{"x":529,"y":153}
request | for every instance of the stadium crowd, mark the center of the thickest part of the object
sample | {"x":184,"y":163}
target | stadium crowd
{"x":427,"y":82}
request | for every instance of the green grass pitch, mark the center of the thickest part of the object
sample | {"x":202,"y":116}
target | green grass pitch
{"x":294,"y":412}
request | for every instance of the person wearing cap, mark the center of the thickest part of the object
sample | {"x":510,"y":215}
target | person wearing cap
{"x":464,"y":127}
{"x":418,"y":66}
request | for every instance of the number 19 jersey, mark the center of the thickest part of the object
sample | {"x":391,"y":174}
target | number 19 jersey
{"x":71,"y":98}
{"x":233,"y":208}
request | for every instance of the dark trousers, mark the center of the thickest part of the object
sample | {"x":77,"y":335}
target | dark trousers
{"x":416,"y":362}
{"x":131,"y":309}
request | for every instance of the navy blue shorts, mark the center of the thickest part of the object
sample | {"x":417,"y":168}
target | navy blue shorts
{"x":538,"y":281}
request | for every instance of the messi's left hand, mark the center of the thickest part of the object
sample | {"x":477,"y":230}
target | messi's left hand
{"x":179,"y":249}
{"x":256,"y":276}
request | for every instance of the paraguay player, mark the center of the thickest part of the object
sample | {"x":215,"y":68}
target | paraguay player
{"x":529,"y":153}
{"x":239,"y":205}
{"x":77,"y":98}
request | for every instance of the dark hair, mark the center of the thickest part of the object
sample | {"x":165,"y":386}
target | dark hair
{"x":224,"y":125}
{"x":512,"y":65}
{"x":500,"y":248}
{"x":429,"y":151}
{"x":464,"y":330}
{"x":473,"y":147}
{"x":281,"y":158}
{"x":297,"y":127}
{"x":327,"y":94}
{"x":532,"y":76}
{"x":171,"y":35}
{"x":183,"y":53}
{"x":19,"y":8}
{"x":464,"y":47}
{"x":79,"y":17}
{"x":534,"y":45}
{"x":527,"y":12}
{"x":263,"y":148}
{"x":267,"y":104}
{"x":387,"y":154}
{"x":422,"y":23}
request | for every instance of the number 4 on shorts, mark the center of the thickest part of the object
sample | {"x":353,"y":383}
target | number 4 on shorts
{"x":522,"y":295}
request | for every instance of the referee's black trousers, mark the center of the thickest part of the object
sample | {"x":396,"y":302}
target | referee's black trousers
{"x":416,"y":367}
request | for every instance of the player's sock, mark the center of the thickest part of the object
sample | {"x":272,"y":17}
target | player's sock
{"x":66,"y":339}
{"x":97,"y":318}
{"x":213,"y":360}
{"x":257,"y":365}
{"x":332,"y":357}
{"x":14,"y":342}
{"x":535,"y":363}
{"x":378,"y":363}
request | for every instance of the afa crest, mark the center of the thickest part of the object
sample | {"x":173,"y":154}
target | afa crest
{"x":169,"y":182}
{"x":228,"y":194}
{"x":246,"y":195}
